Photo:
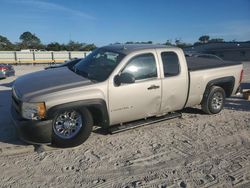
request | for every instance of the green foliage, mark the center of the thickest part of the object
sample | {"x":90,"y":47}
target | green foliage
{"x":89,"y":47}
{"x":204,"y":39}
{"x":29,"y":40}
{"x":71,"y":46}
{"x":5,"y":44}
{"x":179,"y":43}
{"x":54,"y":46}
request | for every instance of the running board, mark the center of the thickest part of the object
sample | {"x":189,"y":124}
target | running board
{"x":132,"y":125}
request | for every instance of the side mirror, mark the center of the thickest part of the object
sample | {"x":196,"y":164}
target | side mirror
{"x":124,"y":78}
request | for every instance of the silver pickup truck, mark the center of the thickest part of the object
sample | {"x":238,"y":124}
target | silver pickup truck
{"x":114,"y":85}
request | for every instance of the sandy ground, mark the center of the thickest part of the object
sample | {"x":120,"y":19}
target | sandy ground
{"x":195,"y":151}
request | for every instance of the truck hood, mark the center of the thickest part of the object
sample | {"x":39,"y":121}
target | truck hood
{"x":47,"y":81}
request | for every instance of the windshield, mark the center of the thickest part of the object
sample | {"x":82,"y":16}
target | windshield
{"x":98,"y":65}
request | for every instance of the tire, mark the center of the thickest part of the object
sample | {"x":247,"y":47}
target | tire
{"x":213,"y":102}
{"x":71,"y":127}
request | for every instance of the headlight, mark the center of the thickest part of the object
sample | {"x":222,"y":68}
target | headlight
{"x":33,"y":111}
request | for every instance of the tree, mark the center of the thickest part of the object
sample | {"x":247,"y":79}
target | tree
{"x":89,"y":47}
{"x":71,"y":46}
{"x":179,"y":43}
{"x":74,"y":46}
{"x":29,"y":40}
{"x":168,"y":43}
{"x":5,"y":44}
{"x":129,"y":42}
{"x":54,"y":46}
{"x":204,"y":39}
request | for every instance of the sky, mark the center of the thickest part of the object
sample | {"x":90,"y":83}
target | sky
{"x":108,"y":21}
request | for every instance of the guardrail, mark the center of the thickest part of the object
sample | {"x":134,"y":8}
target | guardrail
{"x":39,"y":57}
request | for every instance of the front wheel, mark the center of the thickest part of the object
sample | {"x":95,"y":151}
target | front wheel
{"x":71,"y":127}
{"x":214,"y":102}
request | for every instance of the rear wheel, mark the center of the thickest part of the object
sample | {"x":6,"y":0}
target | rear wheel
{"x":71,"y":127}
{"x":214,"y":101}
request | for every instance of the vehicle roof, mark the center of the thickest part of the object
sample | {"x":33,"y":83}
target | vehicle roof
{"x":128,"y":48}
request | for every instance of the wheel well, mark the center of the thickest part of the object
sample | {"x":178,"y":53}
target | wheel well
{"x":97,"y":108}
{"x":228,"y":88}
{"x":97,"y":116}
{"x":227,"y":83}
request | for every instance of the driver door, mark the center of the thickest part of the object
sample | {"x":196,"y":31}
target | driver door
{"x":140,"y":99}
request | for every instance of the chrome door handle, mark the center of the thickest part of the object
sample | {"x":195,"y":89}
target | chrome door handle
{"x":153,"y":87}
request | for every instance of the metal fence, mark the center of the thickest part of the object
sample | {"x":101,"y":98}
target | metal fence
{"x":19,"y":57}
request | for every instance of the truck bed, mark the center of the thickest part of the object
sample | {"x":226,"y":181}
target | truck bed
{"x":198,"y":63}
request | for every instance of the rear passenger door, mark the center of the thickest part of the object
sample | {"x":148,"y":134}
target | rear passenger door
{"x":174,"y":79}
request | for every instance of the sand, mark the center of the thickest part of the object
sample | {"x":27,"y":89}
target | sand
{"x":196,"y":150}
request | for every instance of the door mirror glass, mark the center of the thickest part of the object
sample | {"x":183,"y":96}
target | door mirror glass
{"x":124,"y":78}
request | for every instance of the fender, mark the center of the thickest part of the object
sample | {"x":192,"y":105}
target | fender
{"x":97,"y":107}
{"x":227,"y":83}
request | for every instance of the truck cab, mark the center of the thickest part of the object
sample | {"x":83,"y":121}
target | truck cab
{"x":152,"y":73}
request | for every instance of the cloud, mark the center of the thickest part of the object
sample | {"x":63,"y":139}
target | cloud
{"x":49,"y":6}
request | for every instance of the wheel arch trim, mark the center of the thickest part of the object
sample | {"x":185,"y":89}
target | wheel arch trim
{"x":227,"y":83}
{"x":98,"y":104}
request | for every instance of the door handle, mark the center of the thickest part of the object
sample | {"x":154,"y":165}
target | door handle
{"x":153,"y":87}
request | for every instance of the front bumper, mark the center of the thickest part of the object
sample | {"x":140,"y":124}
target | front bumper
{"x":32,"y":131}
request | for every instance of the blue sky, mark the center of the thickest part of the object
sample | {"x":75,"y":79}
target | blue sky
{"x":108,"y":21}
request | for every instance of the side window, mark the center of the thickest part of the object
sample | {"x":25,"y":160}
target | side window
{"x":170,"y":64}
{"x":142,"y":67}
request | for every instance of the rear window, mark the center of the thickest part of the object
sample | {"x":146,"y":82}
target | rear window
{"x":170,"y":64}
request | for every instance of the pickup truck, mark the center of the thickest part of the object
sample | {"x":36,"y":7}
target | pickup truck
{"x":114,"y":85}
